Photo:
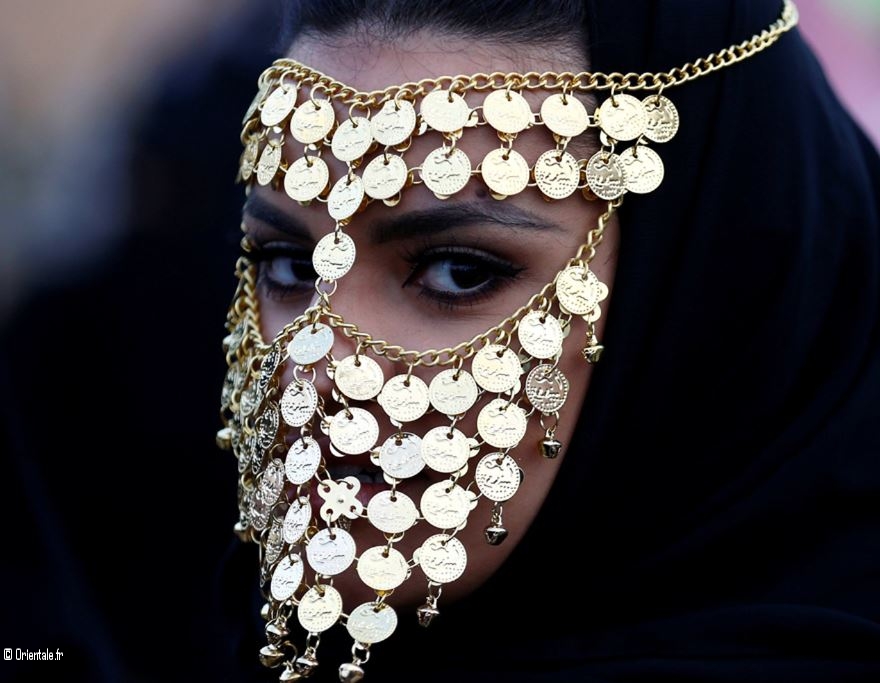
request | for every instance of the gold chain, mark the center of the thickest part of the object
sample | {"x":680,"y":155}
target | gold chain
{"x":547,"y":80}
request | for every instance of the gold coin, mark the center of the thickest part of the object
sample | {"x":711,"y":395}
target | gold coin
{"x":358,"y":377}
{"x":266,"y":493}
{"x":311,"y":121}
{"x":270,"y":161}
{"x":298,"y":403}
{"x":502,"y":424}
{"x":662,"y":118}
{"x":385,"y":176}
{"x":382,"y":568}
{"x":442,"y":558}
{"x":352,"y":139}
{"x":277,"y":106}
{"x":249,"y":158}
{"x":287,"y":577}
{"x":333,"y":256}
{"x":644,"y":169}
{"x":297,"y":520}
{"x":404,"y":398}
{"x":540,"y":334}
{"x":302,"y":460}
{"x":370,"y":623}
{"x":394,"y":122}
{"x":354,"y":431}
{"x":557,"y":174}
{"x":622,"y":117}
{"x":346,"y":197}
{"x":392,"y":513}
{"x":578,"y":293}
{"x":496,"y":368}
{"x":497,"y":476}
{"x":606,"y":175}
{"x":453,"y":392}
{"x":445,"y":450}
{"x":446,"y":172}
{"x":445,"y":505}
{"x":445,"y":111}
{"x":319,"y":608}
{"x":546,"y":388}
{"x":564,"y":115}
{"x":310,"y":344}
{"x":505,"y":171}
{"x":252,"y":108}
{"x":331,"y":551}
{"x":507,"y":111}
{"x":401,"y":456}
{"x":266,"y":427}
{"x":306,"y":178}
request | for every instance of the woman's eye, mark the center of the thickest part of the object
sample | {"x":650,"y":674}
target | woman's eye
{"x":285,"y":270}
{"x":460,"y":276}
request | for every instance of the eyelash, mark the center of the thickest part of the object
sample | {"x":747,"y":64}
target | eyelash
{"x":263,"y":254}
{"x":501,"y":271}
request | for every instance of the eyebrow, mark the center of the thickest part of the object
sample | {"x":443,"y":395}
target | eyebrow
{"x":412,"y":223}
{"x":264,"y":211}
{"x":449,"y":217}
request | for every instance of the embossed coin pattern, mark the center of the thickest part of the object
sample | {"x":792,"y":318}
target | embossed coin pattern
{"x":540,"y":334}
{"x":401,"y":456}
{"x":557,"y":175}
{"x":331,"y":551}
{"x":507,"y":111}
{"x":663,"y":118}
{"x":445,"y":449}
{"x":453,"y":392}
{"x":496,"y":368}
{"x":298,"y":402}
{"x":287,"y":577}
{"x":505,"y":171}
{"x":359,"y":377}
{"x":644,"y":169}
{"x":352,"y":139}
{"x":606,"y":175}
{"x":297,"y":520}
{"x":577,"y":294}
{"x":382,"y":568}
{"x":270,"y":161}
{"x":312,"y":121}
{"x":277,"y":106}
{"x":497,"y":476}
{"x":306,"y":179}
{"x":319,"y":608}
{"x":354,"y":431}
{"x":333,"y":256}
{"x":442,"y":558}
{"x":392,"y":512}
{"x":369,"y":623}
{"x":564,"y":115}
{"x":310,"y":344}
{"x":346,"y":197}
{"x":404,"y":398}
{"x":445,"y":172}
{"x":546,"y":388}
{"x":303,"y":460}
{"x":394,"y":122}
{"x":502,"y":424}
{"x":444,"y":111}
{"x":622,"y":117}
{"x":445,"y":505}
{"x":385,"y":176}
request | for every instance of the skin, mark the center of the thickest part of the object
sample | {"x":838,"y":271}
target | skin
{"x":385,"y":296}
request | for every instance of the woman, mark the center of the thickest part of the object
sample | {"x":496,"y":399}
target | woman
{"x":702,"y":507}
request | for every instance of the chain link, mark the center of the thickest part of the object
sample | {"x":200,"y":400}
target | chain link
{"x":584,"y":81}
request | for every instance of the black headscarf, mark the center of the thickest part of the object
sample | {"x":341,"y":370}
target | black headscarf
{"x":717,"y":515}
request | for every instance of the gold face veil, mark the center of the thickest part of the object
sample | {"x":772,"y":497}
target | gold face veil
{"x":506,"y":376}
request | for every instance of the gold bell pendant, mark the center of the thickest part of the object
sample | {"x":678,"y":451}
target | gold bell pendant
{"x":276,"y":631}
{"x":495,"y":533}
{"x":427,"y":612}
{"x":351,"y":672}
{"x":593,"y":350}
{"x":271,"y":656}
{"x":550,"y":446}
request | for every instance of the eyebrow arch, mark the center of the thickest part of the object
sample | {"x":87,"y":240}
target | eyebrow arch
{"x":451,"y":216}
{"x":264,"y":211}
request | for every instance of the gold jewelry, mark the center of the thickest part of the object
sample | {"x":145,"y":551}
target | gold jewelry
{"x":512,"y":376}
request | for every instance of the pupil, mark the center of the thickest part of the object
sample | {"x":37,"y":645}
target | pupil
{"x":466,"y":275}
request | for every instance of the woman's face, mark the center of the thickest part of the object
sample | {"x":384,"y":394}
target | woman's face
{"x":431,"y":274}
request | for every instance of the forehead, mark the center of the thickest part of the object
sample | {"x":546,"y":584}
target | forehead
{"x":373,"y":64}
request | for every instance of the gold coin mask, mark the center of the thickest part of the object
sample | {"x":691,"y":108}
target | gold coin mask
{"x":506,"y":376}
